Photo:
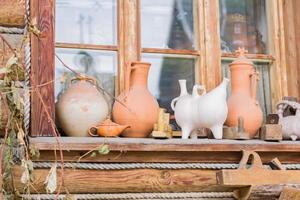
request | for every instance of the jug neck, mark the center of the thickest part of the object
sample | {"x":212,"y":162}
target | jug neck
{"x":139,"y":74}
{"x":183,"y":90}
{"x":241,"y":79}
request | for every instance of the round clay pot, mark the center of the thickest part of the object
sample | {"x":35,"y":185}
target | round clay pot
{"x":242,"y":102}
{"x":81,"y":106}
{"x":136,"y":106}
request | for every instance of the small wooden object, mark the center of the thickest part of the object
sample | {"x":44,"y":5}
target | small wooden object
{"x":245,"y":177}
{"x":176,"y":134}
{"x":272,"y":119}
{"x":289,"y":194}
{"x":162,"y":128}
{"x":271,"y":132}
{"x":236,"y":133}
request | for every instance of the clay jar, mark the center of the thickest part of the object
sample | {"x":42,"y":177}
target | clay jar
{"x":81,"y":106}
{"x":242,"y":102}
{"x":136,"y":106}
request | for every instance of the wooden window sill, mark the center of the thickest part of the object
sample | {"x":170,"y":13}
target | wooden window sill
{"x":169,"y":150}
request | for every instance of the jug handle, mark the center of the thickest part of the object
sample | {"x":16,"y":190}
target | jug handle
{"x":128,"y":70}
{"x":254,"y":76}
{"x":173,"y":102}
{"x":90,"y":131}
{"x":198,"y":87}
{"x":84,"y":78}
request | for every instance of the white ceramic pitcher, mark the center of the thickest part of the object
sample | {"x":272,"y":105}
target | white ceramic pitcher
{"x":208,"y":110}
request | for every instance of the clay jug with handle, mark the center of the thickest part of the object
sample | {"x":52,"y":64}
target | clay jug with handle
{"x":136,"y":106}
{"x":81,"y":106}
{"x":242,"y":102}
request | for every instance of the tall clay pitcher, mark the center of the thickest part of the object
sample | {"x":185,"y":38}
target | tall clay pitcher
{"x":242,"y":102}
{"x":136,"y":106}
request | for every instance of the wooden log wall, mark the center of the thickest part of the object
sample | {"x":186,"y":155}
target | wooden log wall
{"x":12,"y":13}
{"x":291,"y":18}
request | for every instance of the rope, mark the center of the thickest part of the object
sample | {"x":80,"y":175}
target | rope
{"x":6,"y":30}
{"x":27,"y":73}
{"x":124,"y":166}
{"x":190,"y":195}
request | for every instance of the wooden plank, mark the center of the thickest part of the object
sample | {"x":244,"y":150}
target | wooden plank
{"x":149,"y":144}
{"x":212,"y":44}
{"x":289,"y":194}
{"x":139,"y":180}
{"x":116,"y":156}
{"x":278,"y":79}
{"x":86,"y":46}
{"x":128,"y":37}
{"x":12,"y":13}
{"x":42,"y":14}
{"x":270,"y":58}
{"x":289,"y":19}
{"x":297,"y":28}
{"x":171,"y":51}
{"x":246,"y":177}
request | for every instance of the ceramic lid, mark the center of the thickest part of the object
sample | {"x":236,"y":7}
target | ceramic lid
{"x":241,"y":59}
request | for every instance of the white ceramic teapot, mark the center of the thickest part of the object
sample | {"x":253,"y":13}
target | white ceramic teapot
{"x":208,"y":110}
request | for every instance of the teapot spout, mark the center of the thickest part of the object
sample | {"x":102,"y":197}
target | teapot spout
{"x":123,"y":127}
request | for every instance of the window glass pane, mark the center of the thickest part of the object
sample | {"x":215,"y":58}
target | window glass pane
{"x":164,"y":74}
{"x":263,"y":91}
{"x":101,"y":65}
{"x":86,"y":21}
{"x":167,"y":24}
{"x":243,"y":24}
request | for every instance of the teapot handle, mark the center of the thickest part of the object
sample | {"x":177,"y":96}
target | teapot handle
{"x":254,"y":77}
{"x":90,"y":131}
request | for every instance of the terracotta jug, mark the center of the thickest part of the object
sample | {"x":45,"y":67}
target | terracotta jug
{"x":81,"y":106}
{"x":242,"y":102}
{"x":136,"y":106}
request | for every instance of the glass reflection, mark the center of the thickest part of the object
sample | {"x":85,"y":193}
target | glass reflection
{"x":164,"y":74}
{"x":243,"y":24}
{"x":98,"y":64}
{"x":167,"y":24}
{"x":86,"y":22}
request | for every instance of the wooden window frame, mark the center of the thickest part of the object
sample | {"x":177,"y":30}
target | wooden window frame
{"x":208,"y":70}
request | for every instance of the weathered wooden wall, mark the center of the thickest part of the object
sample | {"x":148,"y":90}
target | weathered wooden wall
{"x":12,"y":13}
{"x":291,"y":17}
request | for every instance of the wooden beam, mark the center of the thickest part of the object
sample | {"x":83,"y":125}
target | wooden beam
{"x":289,"y":194}
{"x":129,"y":36}
{"x":144,"y":144}
{"x":171,"y":150}
{"x":246,"y":177}
{"x":171,"y":51}
{"x":116,"y":156}
{"x":211,"y":44}
{"x":12,"y":13}
{"x":289,"y":19}
{"x":86,"y":46}
{"x":42,"y":70}
{"x":278,"y":78}
{"x":138,"y":180}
